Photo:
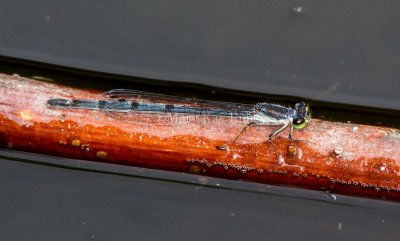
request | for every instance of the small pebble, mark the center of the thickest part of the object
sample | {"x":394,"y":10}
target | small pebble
{"x":27,"y":115}
{"x":76,"y":142}
{"x":101,"y":154}
{"x":194,"y":169}
{"x":291,"y":149}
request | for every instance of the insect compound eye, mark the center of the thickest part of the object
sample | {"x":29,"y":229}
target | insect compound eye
{"x":299,"y":123}
{"x":300,"y":105}
{"x":301,"y":109}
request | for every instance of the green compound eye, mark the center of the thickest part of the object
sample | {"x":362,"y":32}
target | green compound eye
{"x":299,"y":123}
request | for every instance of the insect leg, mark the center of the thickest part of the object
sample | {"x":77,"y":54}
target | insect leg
{"x":276,"y":132}
{"x":285,"y":124}
{"x":225,"y":147}
{"x":291,"y":133}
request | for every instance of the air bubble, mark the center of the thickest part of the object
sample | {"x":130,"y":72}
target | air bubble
{"x":297,"y":9}
{"x":281,"y":160}
{"x":338,"y":150}
{"x":85,"y":148}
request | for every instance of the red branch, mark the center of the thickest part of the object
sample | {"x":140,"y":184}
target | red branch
{"x":340,"y":157}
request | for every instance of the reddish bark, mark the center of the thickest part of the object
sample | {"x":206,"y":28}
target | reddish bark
{"x":344,"y":158}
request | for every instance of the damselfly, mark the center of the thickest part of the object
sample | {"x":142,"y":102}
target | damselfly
{"x":123,"y":101}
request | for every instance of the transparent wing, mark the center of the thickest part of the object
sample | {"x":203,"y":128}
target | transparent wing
{"x":148,"y":97}
{"x":189,"y":109}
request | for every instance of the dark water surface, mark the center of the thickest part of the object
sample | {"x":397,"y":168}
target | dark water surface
{"x":62,"y":199}
{"x":343,"y":57}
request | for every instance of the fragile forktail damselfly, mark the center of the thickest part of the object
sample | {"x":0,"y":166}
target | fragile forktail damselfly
{"x":132,"y":101}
